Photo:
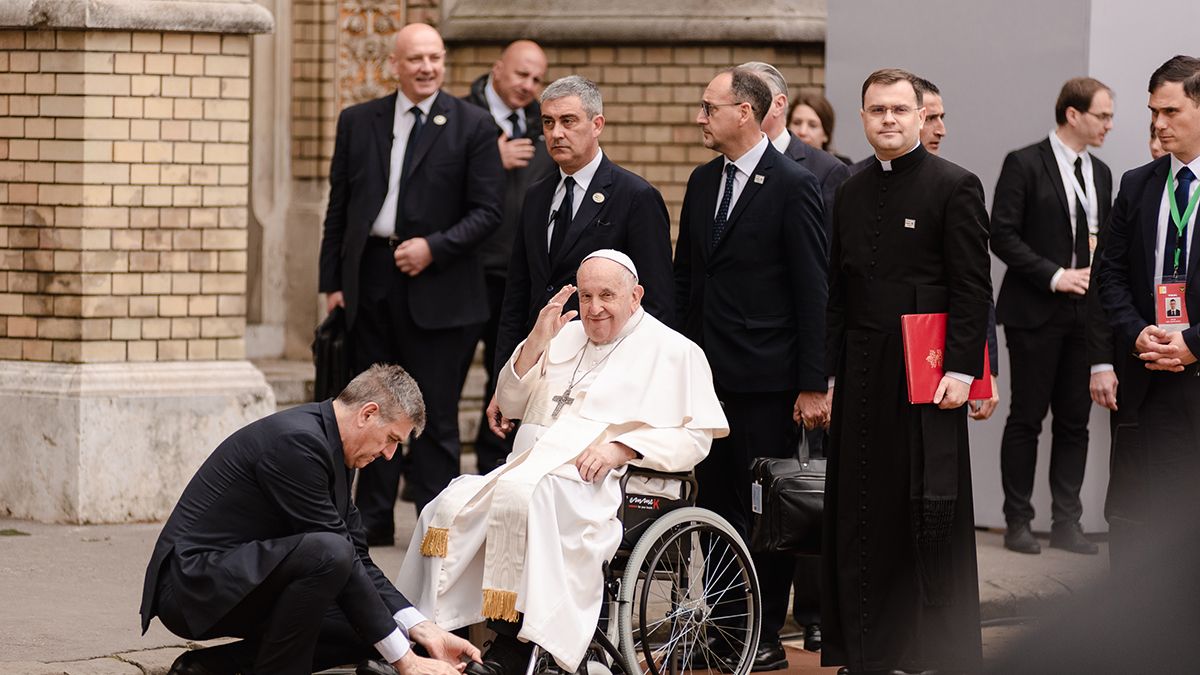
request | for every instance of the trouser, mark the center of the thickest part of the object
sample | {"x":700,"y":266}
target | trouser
{"x":490,"y":449}
{"x":291,"y":623}
{"x":1049,"y":370}
{"x":760,"y":425}
{"x":384,"y":332}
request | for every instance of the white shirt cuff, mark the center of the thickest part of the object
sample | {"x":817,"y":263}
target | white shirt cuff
{"x":1102,"y":368}
{"x":1054,"y":280}
{"x":408,"y":617}
{"x":831,"y":382}
{"x":967,"y":379}
{"x":393,"y":647}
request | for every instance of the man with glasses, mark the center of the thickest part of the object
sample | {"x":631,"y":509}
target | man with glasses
{"x":750,"y":288}
{"x":899,"y":585}
{"x":1050,"y":200}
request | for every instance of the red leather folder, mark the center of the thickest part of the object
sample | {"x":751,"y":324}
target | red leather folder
{"x":924,"y":337}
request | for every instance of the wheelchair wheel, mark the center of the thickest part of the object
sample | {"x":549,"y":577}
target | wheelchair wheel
{"x":689,"y":598}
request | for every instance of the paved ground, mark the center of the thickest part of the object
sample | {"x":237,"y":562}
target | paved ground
{"x":69,"y":595}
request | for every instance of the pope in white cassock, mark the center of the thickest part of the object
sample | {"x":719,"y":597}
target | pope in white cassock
{"x":527,"y":541}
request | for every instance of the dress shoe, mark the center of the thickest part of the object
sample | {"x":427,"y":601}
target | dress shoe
{"x":506,"y":655}
{"x":374,"y":667}
{"x":1019,"y":538}
{"x":1069,"y":537}
{"x":203,"y":662}
{"x":812,"y":637}
{"x":769,"y":656}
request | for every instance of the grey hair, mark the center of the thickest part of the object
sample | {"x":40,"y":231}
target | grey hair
{"x":769,"y":74}
{"x":576,"y":85}
{"x":392,"y":389}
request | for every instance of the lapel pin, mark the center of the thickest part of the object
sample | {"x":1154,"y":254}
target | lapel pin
{"x":598,"y":197}
{"x":910,"y":223}
{"x":759,"y":178}
{"x":439,"y":120}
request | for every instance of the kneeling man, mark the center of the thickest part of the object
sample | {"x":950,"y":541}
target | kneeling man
{"x":524,"y":544}
{"x":266,"y":545}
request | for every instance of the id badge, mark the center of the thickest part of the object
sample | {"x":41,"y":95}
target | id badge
{"x":1170,"y":303}
{"x":756,"y":497}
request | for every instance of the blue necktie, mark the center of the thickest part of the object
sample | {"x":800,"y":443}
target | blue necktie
{"x":1183,"y":181}
{"x":404,"y":166}
{"x":518,"y":131}
{"x":718,"y":228}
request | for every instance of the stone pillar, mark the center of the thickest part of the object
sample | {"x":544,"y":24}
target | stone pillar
{"x":124,"y":132}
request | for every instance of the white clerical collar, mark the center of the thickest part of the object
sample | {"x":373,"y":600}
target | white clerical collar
{"x":583,"y":177}
{"x":496,"y":105}
{"x":1063,"y":150}
{"x":782,"y":141}
{"x":751,"y":157}
{"x":887,"y":163}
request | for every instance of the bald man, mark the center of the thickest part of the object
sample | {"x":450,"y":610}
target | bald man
{"x":415,"y":189}
{"x":510,"y":93}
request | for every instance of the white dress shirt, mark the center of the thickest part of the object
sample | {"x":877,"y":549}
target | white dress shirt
{"x":583,"y":178}
{"x":1065,"y":157}
{"x":745,"y":166}
{"x":1164,"y":214}
{"x":500,"y":110}
{"x":782,"y":141}
{"x":402,"y":124}
{"x":393,"y":647}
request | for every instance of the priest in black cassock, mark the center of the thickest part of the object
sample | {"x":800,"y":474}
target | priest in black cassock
{"x":910,"y":235}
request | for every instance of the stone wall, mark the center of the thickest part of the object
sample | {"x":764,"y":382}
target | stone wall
{"x":123,"y":177}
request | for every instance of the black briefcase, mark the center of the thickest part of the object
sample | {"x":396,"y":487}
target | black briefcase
{"x":787,"y":498}
{"x":329,"y":356}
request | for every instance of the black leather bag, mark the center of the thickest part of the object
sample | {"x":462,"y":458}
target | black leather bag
{"x":787,"y":498}
{"x":329,"y":356}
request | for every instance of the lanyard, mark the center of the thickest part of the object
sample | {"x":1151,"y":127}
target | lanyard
{"x":1180,"y":222}
{"x":1068,"y":170}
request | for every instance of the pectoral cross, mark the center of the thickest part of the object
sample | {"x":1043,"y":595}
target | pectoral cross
{"x":562,"y":400}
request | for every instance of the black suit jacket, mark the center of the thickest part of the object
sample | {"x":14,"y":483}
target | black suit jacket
{"x":452,"y":199}
{"x":494,"y":251}
{"x":245,"y":509}
{"x":631,"y":217}
{"x":1032,"y":232}
{"x":1127,"y":272}
{"x":756,"y":302}
{"x":829,"y":170}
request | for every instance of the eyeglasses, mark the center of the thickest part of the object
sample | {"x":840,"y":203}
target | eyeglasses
{"x":707,"y":108}
{"x":896,"y":110}
{"x":1103,"y":117}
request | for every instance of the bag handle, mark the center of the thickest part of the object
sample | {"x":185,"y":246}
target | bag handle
{"x":802,"y":451}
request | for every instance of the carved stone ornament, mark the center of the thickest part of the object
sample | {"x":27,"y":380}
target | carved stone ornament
{"x":366,"y":34}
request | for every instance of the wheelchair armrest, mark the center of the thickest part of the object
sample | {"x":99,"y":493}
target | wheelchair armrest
{"x":687,"y":482}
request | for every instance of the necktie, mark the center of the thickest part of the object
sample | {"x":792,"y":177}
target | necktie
{"x":718,"y":228}
{"x":518,"y":131}
{"x":1183,"y":183}
{"x":562,"y":218}
{"x":408,"y":155}
{"x":1083,"y":256}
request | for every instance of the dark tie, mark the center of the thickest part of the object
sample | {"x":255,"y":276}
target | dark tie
{"x":1183,"y":181}
{"x":718,"y":228}
{"x":562,"y":218}
{"x":518,"y":131}
{"x":404,"y":166}
{"x":1082,"y":248}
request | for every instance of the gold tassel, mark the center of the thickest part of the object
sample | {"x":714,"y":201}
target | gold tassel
{"x":498,"y":604}
{"x":436,"y":540}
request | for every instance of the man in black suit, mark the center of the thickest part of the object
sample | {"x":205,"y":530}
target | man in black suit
{"x":610,"y":207}
{"x":750,"y":288}
{"x":1050,"y":200}
{"x":415,"y":187}
{"x":1159,"y":380}
{"x":266,"y":545}
{"x":509,"y":92}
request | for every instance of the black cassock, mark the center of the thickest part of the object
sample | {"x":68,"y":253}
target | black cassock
{"x":899,"y":577}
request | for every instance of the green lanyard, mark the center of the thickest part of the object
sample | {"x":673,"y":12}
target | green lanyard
{"x":1180,"y":222}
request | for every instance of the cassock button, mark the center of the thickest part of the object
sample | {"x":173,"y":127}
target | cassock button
{"x":881,"y":205}
{"x":874,"y":247}
{"x":878,"y":218}
{"x":864,"y":508}
{"x":550,"y":288}
{"x":885,"y":188}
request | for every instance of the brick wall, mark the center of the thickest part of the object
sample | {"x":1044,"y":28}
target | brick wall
{"x":123,"y":191}
{"x":314,"y":108}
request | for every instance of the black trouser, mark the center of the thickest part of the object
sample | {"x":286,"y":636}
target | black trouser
{"x":291,"y":623}
{"x":490,"y":449}
{"x":384,"y":332}
{"x":1049,"y":370}
{"x":760,"y":425}
{"x":1169,"y":430}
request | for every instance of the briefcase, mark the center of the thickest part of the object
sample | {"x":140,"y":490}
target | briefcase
{"x":329,"y":356}
{"x":787,"y":498}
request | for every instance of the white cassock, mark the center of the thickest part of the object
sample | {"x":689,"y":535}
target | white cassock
{"x":651,"y":389}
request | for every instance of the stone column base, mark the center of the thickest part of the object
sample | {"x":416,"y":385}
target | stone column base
{"x":116,"y":442}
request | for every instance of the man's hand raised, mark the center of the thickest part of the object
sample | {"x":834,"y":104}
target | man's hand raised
{"x":595,"y":462}
{"x":549,"y":322}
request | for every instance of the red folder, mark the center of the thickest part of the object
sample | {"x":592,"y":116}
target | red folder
{"x":924,"y":338}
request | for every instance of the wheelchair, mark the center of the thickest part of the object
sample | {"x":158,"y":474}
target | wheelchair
{"x":681,"y":594}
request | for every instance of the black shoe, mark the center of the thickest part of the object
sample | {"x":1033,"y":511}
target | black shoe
{"x":1019,"y":538}
{"x":1069,"y":537}
{"x":204,"y":662}
{"x":377,"y":538}
{"x":374,"y":667}
{"x":812,"y":637}
{"x":506,"y":656}
{"x":770,"y":656}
